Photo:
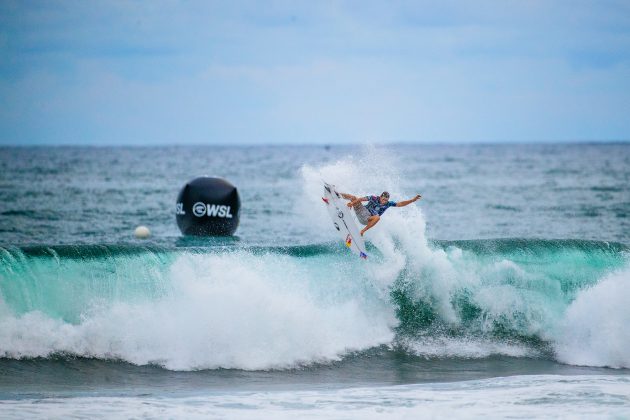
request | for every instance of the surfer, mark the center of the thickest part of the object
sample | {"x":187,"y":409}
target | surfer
{"x":371,"y":213}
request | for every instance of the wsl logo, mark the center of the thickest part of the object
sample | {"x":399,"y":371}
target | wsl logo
{"x":200,"y":209}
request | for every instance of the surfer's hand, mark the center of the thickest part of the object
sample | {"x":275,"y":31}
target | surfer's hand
{"x":417,"y":197}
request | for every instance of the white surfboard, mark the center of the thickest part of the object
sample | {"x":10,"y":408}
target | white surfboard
{"x":343,"y":221}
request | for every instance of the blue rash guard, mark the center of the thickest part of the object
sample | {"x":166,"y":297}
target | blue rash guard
{"x":375,"y":207}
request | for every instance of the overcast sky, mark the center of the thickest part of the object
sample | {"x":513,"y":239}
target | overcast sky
{"x":176,"y":72}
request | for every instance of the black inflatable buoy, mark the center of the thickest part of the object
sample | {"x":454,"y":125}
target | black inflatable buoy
{"x":208,"y":206}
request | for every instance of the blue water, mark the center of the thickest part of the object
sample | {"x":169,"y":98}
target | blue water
{"x":514,"y":264}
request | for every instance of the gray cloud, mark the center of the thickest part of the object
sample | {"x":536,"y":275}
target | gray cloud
{"x":248,"y":72}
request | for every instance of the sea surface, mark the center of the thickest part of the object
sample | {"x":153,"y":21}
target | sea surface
{"x":503,"y":292}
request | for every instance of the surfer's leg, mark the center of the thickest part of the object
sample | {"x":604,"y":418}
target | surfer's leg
{"x":348,"y":196}
{"x":371,"y":222}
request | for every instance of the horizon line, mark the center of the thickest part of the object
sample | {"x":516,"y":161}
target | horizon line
{"x":323,"y":144}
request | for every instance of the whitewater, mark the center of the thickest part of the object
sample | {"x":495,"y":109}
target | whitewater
{"x":427,"y":324}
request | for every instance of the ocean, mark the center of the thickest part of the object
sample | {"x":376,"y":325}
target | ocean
{"x":503,"y":292}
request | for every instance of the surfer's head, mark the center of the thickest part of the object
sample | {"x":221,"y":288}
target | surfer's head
{"x":384,"y":197}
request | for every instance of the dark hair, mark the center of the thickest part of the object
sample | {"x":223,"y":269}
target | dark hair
{"x":385,"y":194}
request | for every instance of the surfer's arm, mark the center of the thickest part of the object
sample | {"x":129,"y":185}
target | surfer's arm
{"x":357,"y":200}
{"x":407,"y":202}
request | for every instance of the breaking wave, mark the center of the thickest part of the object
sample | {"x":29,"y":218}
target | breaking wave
{"x":260,"y":308}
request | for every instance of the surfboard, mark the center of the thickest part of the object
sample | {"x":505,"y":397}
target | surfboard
{"x":342,"y":220}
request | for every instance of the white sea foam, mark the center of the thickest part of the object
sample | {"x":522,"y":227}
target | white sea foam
{"x":465,"y":347}
{"x":232,"y":311}
{"x":530,"y":396}
{"x":595,"y":330}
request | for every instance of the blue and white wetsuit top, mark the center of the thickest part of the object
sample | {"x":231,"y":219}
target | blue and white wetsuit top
{"x":375,"y":207}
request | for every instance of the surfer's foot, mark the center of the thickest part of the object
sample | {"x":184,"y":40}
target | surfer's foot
{"x":362,"y":232}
